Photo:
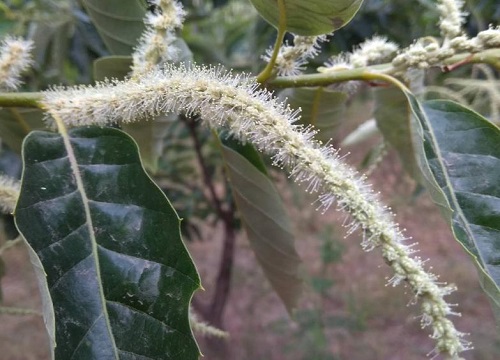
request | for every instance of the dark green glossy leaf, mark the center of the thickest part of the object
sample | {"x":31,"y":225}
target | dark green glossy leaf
{"x":322,"y":108}
{"x":462,"y":151}
{"x":118,"y":273}
{"x":393,"y":116}
{"x":119,"y":22}
{"x":16,"y":123}
{"x":309,"y":17}
{"x":267,"y":225}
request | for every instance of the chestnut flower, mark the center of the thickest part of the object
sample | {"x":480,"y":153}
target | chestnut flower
{"x":14,"y":59}
{"x":252,"y":114}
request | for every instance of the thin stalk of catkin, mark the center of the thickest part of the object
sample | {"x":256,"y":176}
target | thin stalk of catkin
{"x":254,"y":115}
{"x":204,"y":328}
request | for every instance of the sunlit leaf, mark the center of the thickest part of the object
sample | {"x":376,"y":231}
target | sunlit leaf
{"x":309,"y":17}
{"x":266,"y":223}
{"x":119,"y":276}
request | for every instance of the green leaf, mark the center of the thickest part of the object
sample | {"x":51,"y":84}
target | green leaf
{"x":51,"y":38}
{"x":321,"y":107}
{"x":16,"y":123}
{"x":266,"y":223}
{"x":149,"y":135}
{"x":463,"y":152}
{"x":112,"y":67}
{"x":119,"y":22}
{"x":426,"y":176}
{"x":363,"y":132}
{"x":393,"y":115}
{"x":118,"y":273}
{"x":309,"y":17}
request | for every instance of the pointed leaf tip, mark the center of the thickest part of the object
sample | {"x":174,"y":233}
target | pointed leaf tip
{"x":118,"y":273}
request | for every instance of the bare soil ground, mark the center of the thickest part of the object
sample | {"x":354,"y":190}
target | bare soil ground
{"x":359,"y":317}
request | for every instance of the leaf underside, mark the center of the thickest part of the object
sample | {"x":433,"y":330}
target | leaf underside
{"x":393,"y":116}
{"x":118,"y":273}
{"x":119,"y":22}
{"x":320,"y":107}
{"x":16,"y":123}
{"x":266,"y":223}
{"x":463,"y":153}
{"x":312,"y":17}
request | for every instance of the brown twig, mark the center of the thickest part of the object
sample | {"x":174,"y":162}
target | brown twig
{"x":213,"y":313}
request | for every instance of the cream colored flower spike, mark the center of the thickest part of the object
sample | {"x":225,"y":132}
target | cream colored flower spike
{"x":14,"y":59}
{"x":254,"y":115}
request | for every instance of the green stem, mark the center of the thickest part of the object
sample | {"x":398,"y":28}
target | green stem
{"x":318,"y":79}
{"x":30,"y":100}
{"x":490,"y":57}
{"x":268,"y":70}
{"x":370,"y":76}
{"x":380,"y":72}
{"x":325,"y":79}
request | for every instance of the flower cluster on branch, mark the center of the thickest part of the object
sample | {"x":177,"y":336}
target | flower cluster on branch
{"x":254,"y":115}
{"x":157,"y":42}
{"x":15,"y":57}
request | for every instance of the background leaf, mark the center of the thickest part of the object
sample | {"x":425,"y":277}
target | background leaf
{"x":16,"y":123}
{"x":117,"y":270}
{"x":323,"y":108}
{"x":311,"y":17}
{"x":149,"y":135}
{"x":112,"y":67}
{"x":393,"y":115}
{"x":266,"y":223}
{"x":463,"y":152}
{"x":119,"y":22}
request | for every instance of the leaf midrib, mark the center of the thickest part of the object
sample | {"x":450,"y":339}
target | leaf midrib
{"x":81,"y":189}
